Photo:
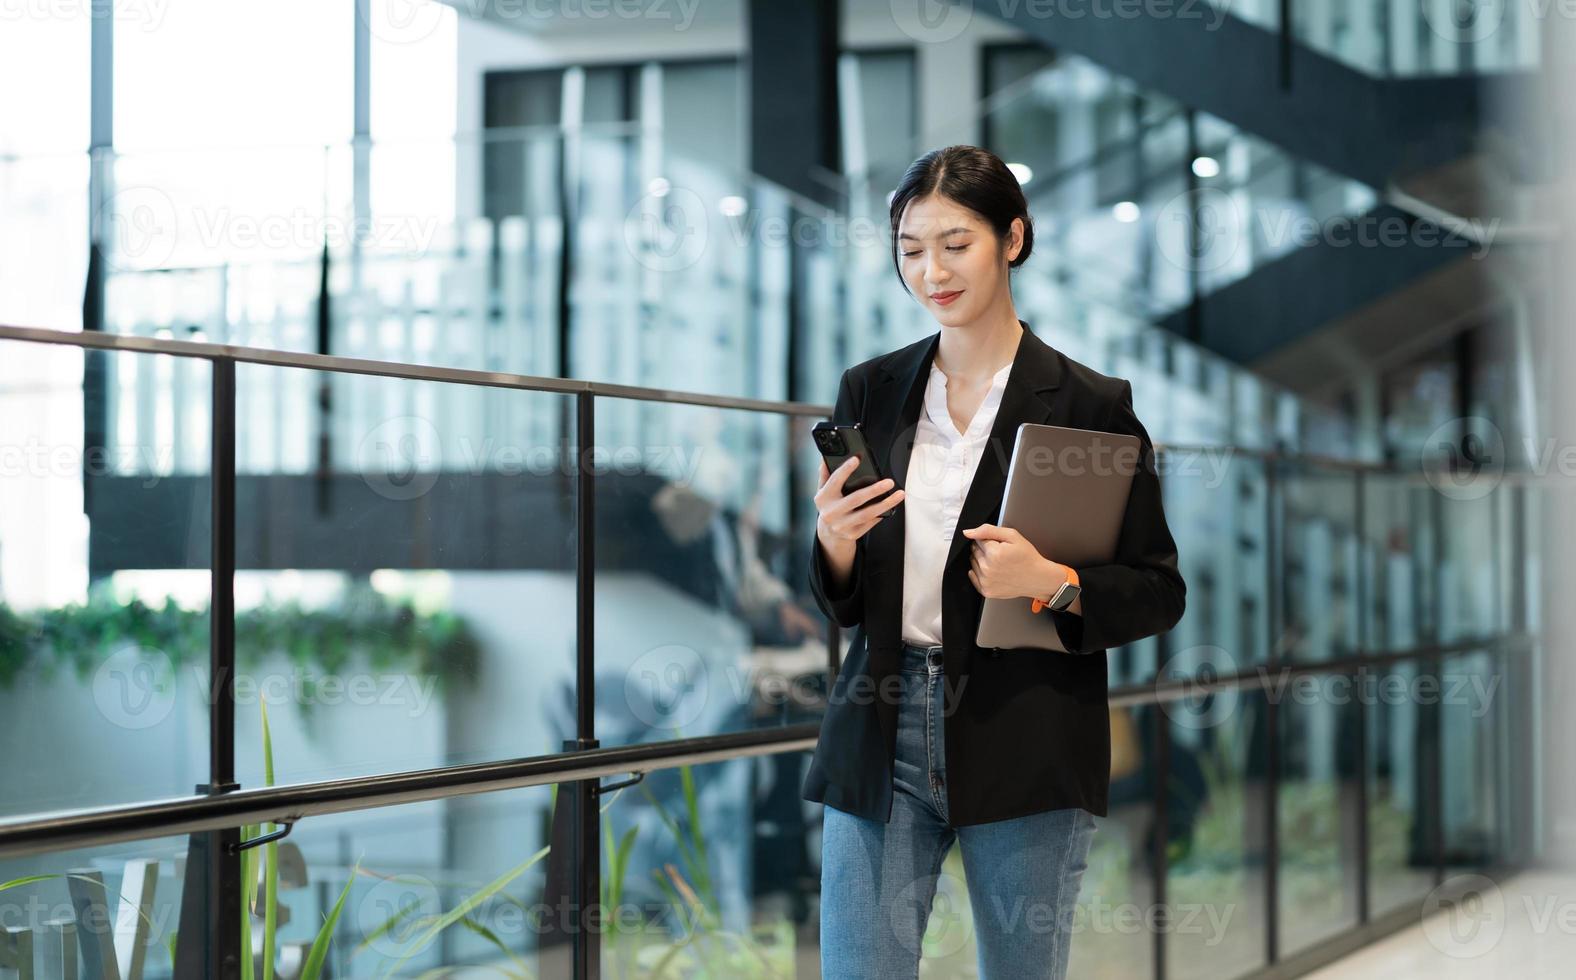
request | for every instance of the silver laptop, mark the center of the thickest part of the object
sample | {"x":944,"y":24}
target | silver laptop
{"x":1066,"y":492}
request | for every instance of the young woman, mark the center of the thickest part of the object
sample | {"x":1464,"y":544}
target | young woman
{"x":927,"y":738}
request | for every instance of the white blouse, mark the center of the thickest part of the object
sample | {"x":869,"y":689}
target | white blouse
{"x":940,"y":470}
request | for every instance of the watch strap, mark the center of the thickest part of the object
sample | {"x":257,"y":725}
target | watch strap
{"x":1036,"y":603}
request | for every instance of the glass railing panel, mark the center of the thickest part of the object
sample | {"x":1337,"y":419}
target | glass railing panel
{"x":103,"y":648}
{"x":414,"y":866}
{"x":1401,"y":572}
{"x":1319,"y":820}
{"x":405,"y":574}
{"x":77,"y":912}
{"x":1319,"y":536}
{"x":1116,"y":900}
{"x":1216,"y":835}
{"x":737,"y":838}
{"x":1473,"y":565}
{"x":1219,"y":518}
{"x":712,"y":870}
{"x":405,"y":873}
{"x":1478,"y":757}
{"x":1400,"y":798}
{"x":704,"y":621}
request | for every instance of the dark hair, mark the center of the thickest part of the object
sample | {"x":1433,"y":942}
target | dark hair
{"x":975,"y":178}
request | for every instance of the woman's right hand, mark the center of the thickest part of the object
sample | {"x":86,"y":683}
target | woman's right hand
{"x":848,"y":518}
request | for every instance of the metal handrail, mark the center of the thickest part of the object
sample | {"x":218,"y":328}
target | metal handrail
{"x":396,"y":369}
{"x":602,"y":389}
{"x":93,"y":826}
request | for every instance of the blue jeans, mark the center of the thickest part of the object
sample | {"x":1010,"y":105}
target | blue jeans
{"x":878,"y":880}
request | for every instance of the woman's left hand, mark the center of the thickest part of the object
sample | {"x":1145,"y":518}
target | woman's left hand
{"x":1004,"y":565}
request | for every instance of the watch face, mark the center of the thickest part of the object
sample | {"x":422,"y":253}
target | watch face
{"x":1064,"y":597}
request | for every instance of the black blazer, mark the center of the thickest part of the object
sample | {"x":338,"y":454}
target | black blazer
{"x":1028,"y":729}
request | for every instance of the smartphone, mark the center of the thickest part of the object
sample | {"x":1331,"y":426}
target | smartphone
{"x":837,"y":443}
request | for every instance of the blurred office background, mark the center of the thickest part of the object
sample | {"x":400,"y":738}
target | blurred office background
{"x":1322,"y":239}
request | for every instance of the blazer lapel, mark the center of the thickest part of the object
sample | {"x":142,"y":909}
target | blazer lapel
{"x":892,"y":419}
{"x":1036,"y":371}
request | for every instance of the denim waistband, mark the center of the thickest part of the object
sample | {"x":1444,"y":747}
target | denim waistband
{"x":921,"y":658}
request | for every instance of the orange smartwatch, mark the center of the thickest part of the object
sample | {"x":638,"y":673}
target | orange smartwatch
{"x":1062,"y":598}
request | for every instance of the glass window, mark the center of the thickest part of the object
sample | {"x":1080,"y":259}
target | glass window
{"x":44,"y":165}
{"x":880,"y":114}
{"x":208,"y":74}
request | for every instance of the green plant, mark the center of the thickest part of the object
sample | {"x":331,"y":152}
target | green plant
{"x":388,"y":635}
{"x":317,"y":955}
{"x":707,"y":949}
{"x":613,"y":890}
{"x":270,"y":861}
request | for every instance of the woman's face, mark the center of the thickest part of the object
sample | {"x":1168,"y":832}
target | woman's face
{"x":951,"y":259}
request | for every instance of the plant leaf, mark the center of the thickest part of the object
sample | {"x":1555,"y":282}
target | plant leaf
{"x":460,"y":911}
{"x":492,"y":937}
{"x":315,"y":959}
{"x":30,"y":879}
{"x":270,"y":859}
{"x":392,"y":921}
